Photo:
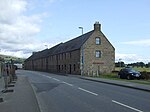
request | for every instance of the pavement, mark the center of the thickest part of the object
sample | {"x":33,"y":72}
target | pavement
{"x":2,"y":85}
{"x":20,"y":98}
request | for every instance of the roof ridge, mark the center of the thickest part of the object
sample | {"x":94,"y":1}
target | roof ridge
{"x":78,"y":36}
{"x":70,"y":45}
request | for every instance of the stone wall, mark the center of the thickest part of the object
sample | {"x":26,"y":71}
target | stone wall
{"x":68,"y":62}
{"x":104,"y":64}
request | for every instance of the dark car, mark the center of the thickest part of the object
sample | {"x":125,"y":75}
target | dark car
{"x":129,"y":73}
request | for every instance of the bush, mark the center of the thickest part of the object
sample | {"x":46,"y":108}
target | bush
{"x":145,"y":75}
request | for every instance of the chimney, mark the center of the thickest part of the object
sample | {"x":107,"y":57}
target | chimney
{"x":97,"y":26}
{"x":34,"y":53}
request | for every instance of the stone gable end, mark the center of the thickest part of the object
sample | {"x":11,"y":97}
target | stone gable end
{"x":104,"y":64}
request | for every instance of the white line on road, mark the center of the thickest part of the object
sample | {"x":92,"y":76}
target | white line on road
{"x":87,"y":91}
{"x":56,"y":79}
{"x":67,"y":83}
{"x":48,"y":77}
{"x":126,"y":106}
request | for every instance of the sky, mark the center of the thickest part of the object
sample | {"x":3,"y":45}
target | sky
{"x":28,"y":26}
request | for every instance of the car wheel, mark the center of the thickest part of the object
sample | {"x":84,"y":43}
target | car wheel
{"x":128,"y":77}
{"x":138,"y":78}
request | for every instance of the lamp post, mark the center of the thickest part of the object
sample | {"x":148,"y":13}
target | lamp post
{"x":46,"y":46}
{"x":82,"y":53}
{"x":81,"y":29}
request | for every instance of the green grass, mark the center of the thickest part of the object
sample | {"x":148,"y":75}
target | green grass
{"x":15,"y":59}
{"x":109,"y":76}
{"x":113,"y":76}
{"x":140,"y":69}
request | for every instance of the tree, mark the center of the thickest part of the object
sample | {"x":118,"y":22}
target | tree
{"x":147,"y":65}
{"x":141,"y":64}
{"x":120,"y":64}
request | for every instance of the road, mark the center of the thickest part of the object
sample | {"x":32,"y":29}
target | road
{"x":57,"y":93}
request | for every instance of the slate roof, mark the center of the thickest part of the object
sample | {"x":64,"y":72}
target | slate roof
{"x":68,"y":46}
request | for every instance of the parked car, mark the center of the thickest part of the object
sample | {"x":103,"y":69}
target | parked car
{"x":129,"y":73}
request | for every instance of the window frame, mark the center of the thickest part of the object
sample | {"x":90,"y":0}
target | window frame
{"x":98,"y":41}
{"x":98,"y":54}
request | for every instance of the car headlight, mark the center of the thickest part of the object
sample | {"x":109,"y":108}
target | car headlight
{"x":132,"y":74}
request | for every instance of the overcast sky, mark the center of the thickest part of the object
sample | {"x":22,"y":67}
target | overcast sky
{"x":33,"y":25}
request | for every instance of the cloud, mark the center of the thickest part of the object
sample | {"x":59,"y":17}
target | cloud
{"x":20,"y":54}
{"x":131,"y":58}
{"x":10,"y":9}
{"x":143,"y":42}
{"x":18,"y":31}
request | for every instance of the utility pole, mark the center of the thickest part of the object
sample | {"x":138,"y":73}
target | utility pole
{"x":82,"y":53}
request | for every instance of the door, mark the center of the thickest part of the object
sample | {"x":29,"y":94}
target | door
{"x":70,"y":69}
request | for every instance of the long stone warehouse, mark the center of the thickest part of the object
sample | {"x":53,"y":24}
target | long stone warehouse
{"x":88,"y":54}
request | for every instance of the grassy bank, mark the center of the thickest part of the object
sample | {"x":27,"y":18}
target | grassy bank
{"x":113,"y":76}
{"x":140,"y":69}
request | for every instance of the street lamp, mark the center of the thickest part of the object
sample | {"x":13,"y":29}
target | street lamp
{"x":46,"y":46}
{"x":82,"y":53}
{"x":81,"y":29}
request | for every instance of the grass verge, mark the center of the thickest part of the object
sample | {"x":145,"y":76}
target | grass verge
{"x":114,"y":76}
{"x":140,"y":69}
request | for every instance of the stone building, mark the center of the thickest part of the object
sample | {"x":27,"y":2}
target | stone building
{"x":88,"y":54}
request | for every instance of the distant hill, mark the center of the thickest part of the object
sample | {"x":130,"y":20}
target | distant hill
{"x":15,"y":59}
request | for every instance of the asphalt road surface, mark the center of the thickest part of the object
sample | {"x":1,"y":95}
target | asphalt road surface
{"x":57,"y":93}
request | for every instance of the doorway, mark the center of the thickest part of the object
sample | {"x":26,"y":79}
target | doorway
{"x":69,"y":68}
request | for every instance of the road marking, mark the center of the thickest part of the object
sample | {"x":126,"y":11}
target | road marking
{"x":126,"y":106}
{"x":56,"y":79}
{"x":67,"y":83}
{"x":41,"y":75}
{"x":87,"y":91}
{"x":48,"y":77}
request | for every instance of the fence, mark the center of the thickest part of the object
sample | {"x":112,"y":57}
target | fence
{"x":7,"y":75}
{"x":2,"y":81}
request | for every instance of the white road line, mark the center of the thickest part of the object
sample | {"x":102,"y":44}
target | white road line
{"x":67,"y":83}
{"x":41,"y":75}
{"x":56,"y":79}
{"x":87,"y":91}
{"x":126,"y":106}
{"x":48,"y":77}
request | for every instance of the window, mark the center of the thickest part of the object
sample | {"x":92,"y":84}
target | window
{"x":97,"y":41}
{"x":98,"y":54}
